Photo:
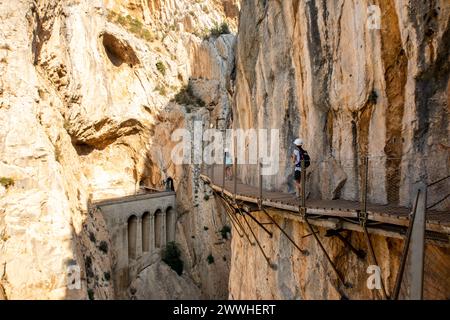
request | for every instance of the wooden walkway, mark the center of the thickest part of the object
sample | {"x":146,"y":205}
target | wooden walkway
{"x":437,"y":221}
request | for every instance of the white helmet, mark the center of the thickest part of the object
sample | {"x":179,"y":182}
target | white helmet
{"x":298,"y":142}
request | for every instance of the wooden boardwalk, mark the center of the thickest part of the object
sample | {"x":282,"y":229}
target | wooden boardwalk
{"x":437,"y":221}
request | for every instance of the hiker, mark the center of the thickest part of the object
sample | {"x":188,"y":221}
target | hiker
{"x":228,"y":165}
{"x":298,"y":155}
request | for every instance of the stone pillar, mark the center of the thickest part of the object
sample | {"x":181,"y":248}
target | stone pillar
{"x":123,"y":245}
{"x":139,"y":238}
{"x":132,"y":237}
{"x":152,"y":232}
{"x":164,"y":229}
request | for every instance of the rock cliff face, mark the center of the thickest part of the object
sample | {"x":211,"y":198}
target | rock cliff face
{"x":91,"y":91}
{"x":322,"y":70}
{"x":296,"y":276}
{"x":87,"y":107}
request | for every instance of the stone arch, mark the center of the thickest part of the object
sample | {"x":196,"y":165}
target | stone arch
{"x":171,"y":219}
{"x":146,"y":232}
{"x":159,"y":225}
{"x":132,"y":236}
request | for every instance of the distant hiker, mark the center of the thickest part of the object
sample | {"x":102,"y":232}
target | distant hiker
{"x":298,"y":155}
{"x":228,"y":165}
{"x":169,"y":184}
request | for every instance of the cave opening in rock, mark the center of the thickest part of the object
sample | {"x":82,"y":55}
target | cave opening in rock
{"x":118,"y":51}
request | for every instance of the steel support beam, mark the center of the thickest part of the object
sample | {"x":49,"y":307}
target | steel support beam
{"x":417,"y":250}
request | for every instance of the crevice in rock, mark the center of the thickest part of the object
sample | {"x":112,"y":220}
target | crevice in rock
{"x":395,"y":66}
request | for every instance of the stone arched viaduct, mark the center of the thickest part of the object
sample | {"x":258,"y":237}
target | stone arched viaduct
{"x":138,"y":226}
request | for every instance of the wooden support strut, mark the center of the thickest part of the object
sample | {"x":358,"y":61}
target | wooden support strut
{"x":304,"y":252}
{"x":341,"y":279}
{"x":259,"y":224}
{"x":230,"y":213}
{"x":401,"y":269}
{"x":233,"y":214}
{"x":417,"y":253}
{"x":233,"y":223}
{"x":374,"y":259}
{"x":273,"y":266}
{"x":358,"y":252}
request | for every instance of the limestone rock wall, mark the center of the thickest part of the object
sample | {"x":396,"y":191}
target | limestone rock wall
{"x":311,"y":277}
{"x":315,"y":69}
{"x":86,"y":111}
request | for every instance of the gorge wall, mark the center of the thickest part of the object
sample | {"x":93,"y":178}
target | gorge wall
{"x":315,"y":69}
{"x":91,"y":91}
{"x":89,"y":97}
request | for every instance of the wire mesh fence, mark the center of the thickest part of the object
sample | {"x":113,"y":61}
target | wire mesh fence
{"x":377,"y":179}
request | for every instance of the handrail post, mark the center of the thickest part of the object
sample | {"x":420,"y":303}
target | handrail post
{"x":303,"y":186}
{"x":260,"y":184}
{"x":235,"y":177}
{"x":363,"y":211}
{"x":223,"y":171}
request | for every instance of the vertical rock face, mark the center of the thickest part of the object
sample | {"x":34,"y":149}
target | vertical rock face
{"x":296,"y":276}
{"x":325,"y":71}
{"x":87,"y":108}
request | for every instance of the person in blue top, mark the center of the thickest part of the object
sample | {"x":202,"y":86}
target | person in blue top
{"x":228,"y":165}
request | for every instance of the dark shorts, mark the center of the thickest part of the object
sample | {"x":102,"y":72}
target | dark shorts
{"x":297,"y":175}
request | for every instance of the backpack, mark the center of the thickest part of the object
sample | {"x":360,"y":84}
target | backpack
{"x":304,"y":156}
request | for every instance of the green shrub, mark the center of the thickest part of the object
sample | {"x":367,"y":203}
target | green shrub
{"x":218,"y":30}
{"x":6,"y":182}
{"x":107,"y":276}
{"x":103,"y":247}
{"x":147,"y":35}
{"x":131,"y":24}
{"x":206,"y":197}
{"x":224,"y":231}
{"x":210,"y":259}
{"x":161,"y":67}
{"x":161,"y":89}
{"x":187,"y":97}
{"x":91,"y":294}
{"x":171,"y":255}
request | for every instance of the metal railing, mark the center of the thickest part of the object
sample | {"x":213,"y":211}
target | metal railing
{"x":375,"y":180}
